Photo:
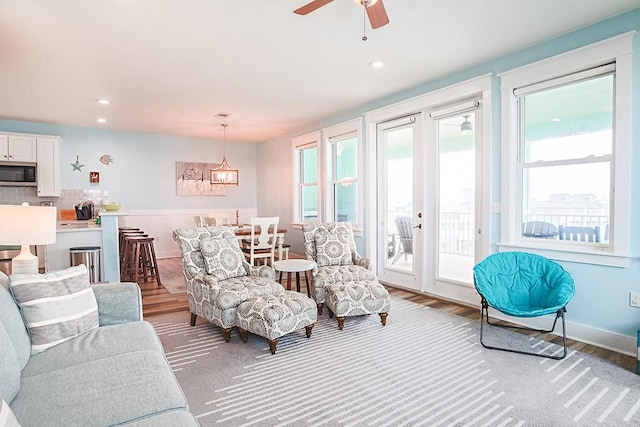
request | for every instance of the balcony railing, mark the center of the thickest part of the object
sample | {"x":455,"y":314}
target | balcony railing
{"x":457,"y":229}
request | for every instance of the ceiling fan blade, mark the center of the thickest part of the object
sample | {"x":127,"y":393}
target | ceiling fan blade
{"x":377,"y":15}
{"x":310,"y":7}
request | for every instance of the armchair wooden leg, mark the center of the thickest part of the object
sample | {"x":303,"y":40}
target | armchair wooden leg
{"x":340,"y":322}
{"x":383,"y":318}
{"x":193,"y":319}
{"x":226,"y":333}
{"x":320,"y":309}
{"x":308,"y":329}
{"x":244,"y":335}
{"x":330,"y":313}
{"x":272,"y":345}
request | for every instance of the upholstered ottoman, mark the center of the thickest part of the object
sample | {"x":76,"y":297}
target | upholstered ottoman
{"x":272,"y":316}
{"x":357,"y":298}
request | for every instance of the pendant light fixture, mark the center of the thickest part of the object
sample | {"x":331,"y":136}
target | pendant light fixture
{"x":223,"y":174}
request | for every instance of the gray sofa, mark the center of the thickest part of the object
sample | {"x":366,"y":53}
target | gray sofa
{"x":115,"y":374}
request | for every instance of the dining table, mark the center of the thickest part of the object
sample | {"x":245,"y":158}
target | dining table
{"x":243,"y":230}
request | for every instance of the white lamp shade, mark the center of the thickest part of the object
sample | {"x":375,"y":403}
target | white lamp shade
{"x":27,"y":225}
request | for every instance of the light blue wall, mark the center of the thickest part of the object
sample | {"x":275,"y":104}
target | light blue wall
{"x":143,"y":173}
{"x":602,"y":296}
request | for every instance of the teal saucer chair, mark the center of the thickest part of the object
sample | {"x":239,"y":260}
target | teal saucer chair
{"x":521,"y":284}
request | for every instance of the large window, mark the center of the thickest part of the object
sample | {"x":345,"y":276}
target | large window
{"x":566,"y":150}
{"x":327,"y":168}
{"x":344,"y":182}
{"x":565,"y":159}
{"x":307,"y":188}
{"x":343,"y":149}
{"x":309,"y":183}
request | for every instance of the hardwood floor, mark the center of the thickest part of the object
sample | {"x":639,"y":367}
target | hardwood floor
{"x":156,"y":300}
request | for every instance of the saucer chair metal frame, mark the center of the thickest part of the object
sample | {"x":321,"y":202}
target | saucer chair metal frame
{"x":528,"y":270}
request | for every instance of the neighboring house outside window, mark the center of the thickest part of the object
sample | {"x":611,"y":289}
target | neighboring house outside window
{"x":566,"y":139}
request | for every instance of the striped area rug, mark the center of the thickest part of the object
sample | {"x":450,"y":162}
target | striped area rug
{"x":424,"y":368}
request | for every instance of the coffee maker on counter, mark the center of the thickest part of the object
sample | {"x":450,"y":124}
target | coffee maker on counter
{"x":85,"y":210}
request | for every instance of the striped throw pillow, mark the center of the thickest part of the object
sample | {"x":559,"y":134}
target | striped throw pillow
{"x":7,"y":419}
{"x":55,"y":306}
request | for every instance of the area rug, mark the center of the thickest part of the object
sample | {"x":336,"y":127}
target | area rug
{"x":171,"y":275}
{"x":425,"y":367}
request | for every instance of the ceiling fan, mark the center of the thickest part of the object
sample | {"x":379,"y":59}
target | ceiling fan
{"x":375,"y":10}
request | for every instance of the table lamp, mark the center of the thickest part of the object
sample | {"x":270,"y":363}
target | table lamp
{"x":27,"y":225}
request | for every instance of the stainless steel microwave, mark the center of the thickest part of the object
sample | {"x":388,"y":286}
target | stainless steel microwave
{"x":18,"y":174}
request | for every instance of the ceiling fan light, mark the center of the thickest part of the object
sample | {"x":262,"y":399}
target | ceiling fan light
{"x":466,"y":127}
{"x":365,"y":3}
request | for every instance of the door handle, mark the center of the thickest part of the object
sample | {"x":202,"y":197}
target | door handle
{"x":417,"y":226}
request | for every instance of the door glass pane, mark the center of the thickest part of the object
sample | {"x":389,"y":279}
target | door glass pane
{"x":456,"y":197}
{"x":399,"y":192}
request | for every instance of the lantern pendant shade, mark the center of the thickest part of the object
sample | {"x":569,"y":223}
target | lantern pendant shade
{"x":224,"y":175}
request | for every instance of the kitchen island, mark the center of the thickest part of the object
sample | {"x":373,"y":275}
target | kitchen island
{"x":71,"y":234}
{"x":110,"y":249}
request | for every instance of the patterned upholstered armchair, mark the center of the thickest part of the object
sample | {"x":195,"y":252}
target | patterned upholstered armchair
{"x":333,"y":248}
{"x":218,"y":277}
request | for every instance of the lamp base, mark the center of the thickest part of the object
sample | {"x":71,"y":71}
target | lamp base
{"x":25,"y":262}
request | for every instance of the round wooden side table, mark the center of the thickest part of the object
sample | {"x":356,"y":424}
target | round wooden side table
{"x":295,"y":266}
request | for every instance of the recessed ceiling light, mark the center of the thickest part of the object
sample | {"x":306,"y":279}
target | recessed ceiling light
{"x":101,"y":120}
{"x":102,"y":101}
{"x":376,"y":64}
{"x":555,"y":119}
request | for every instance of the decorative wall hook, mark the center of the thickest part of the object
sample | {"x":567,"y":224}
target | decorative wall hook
{"x":77,"y":166}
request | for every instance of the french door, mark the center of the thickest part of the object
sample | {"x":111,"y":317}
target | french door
{"x":455,"y":198}
{"x":400,"y":177}
{"x":427,"y":190}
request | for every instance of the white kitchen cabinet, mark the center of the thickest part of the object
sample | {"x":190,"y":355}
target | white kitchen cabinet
{"x":18,"y":148}
{"x":48,"y":169}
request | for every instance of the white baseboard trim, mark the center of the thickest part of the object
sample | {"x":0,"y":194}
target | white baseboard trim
{"x":576,"y":331}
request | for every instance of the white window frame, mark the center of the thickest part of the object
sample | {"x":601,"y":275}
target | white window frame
{"x":619,"y":50}
{"x":298,"y":144}
{"x":331,"y":135}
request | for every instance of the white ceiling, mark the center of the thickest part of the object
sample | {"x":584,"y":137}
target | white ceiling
{"x":168,"y":66}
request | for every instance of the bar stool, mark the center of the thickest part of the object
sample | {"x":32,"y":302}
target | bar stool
{"x":89,"y":256}
{"x":122,"y":243}
{"x":123,"y":230}
{"x":139,"y":259}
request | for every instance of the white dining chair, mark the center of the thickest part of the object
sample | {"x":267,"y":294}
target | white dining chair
{"x":262,"y":245}
{"x":209,"y":221}
{"x":217,"y":219}
{"x":197,"y":219}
